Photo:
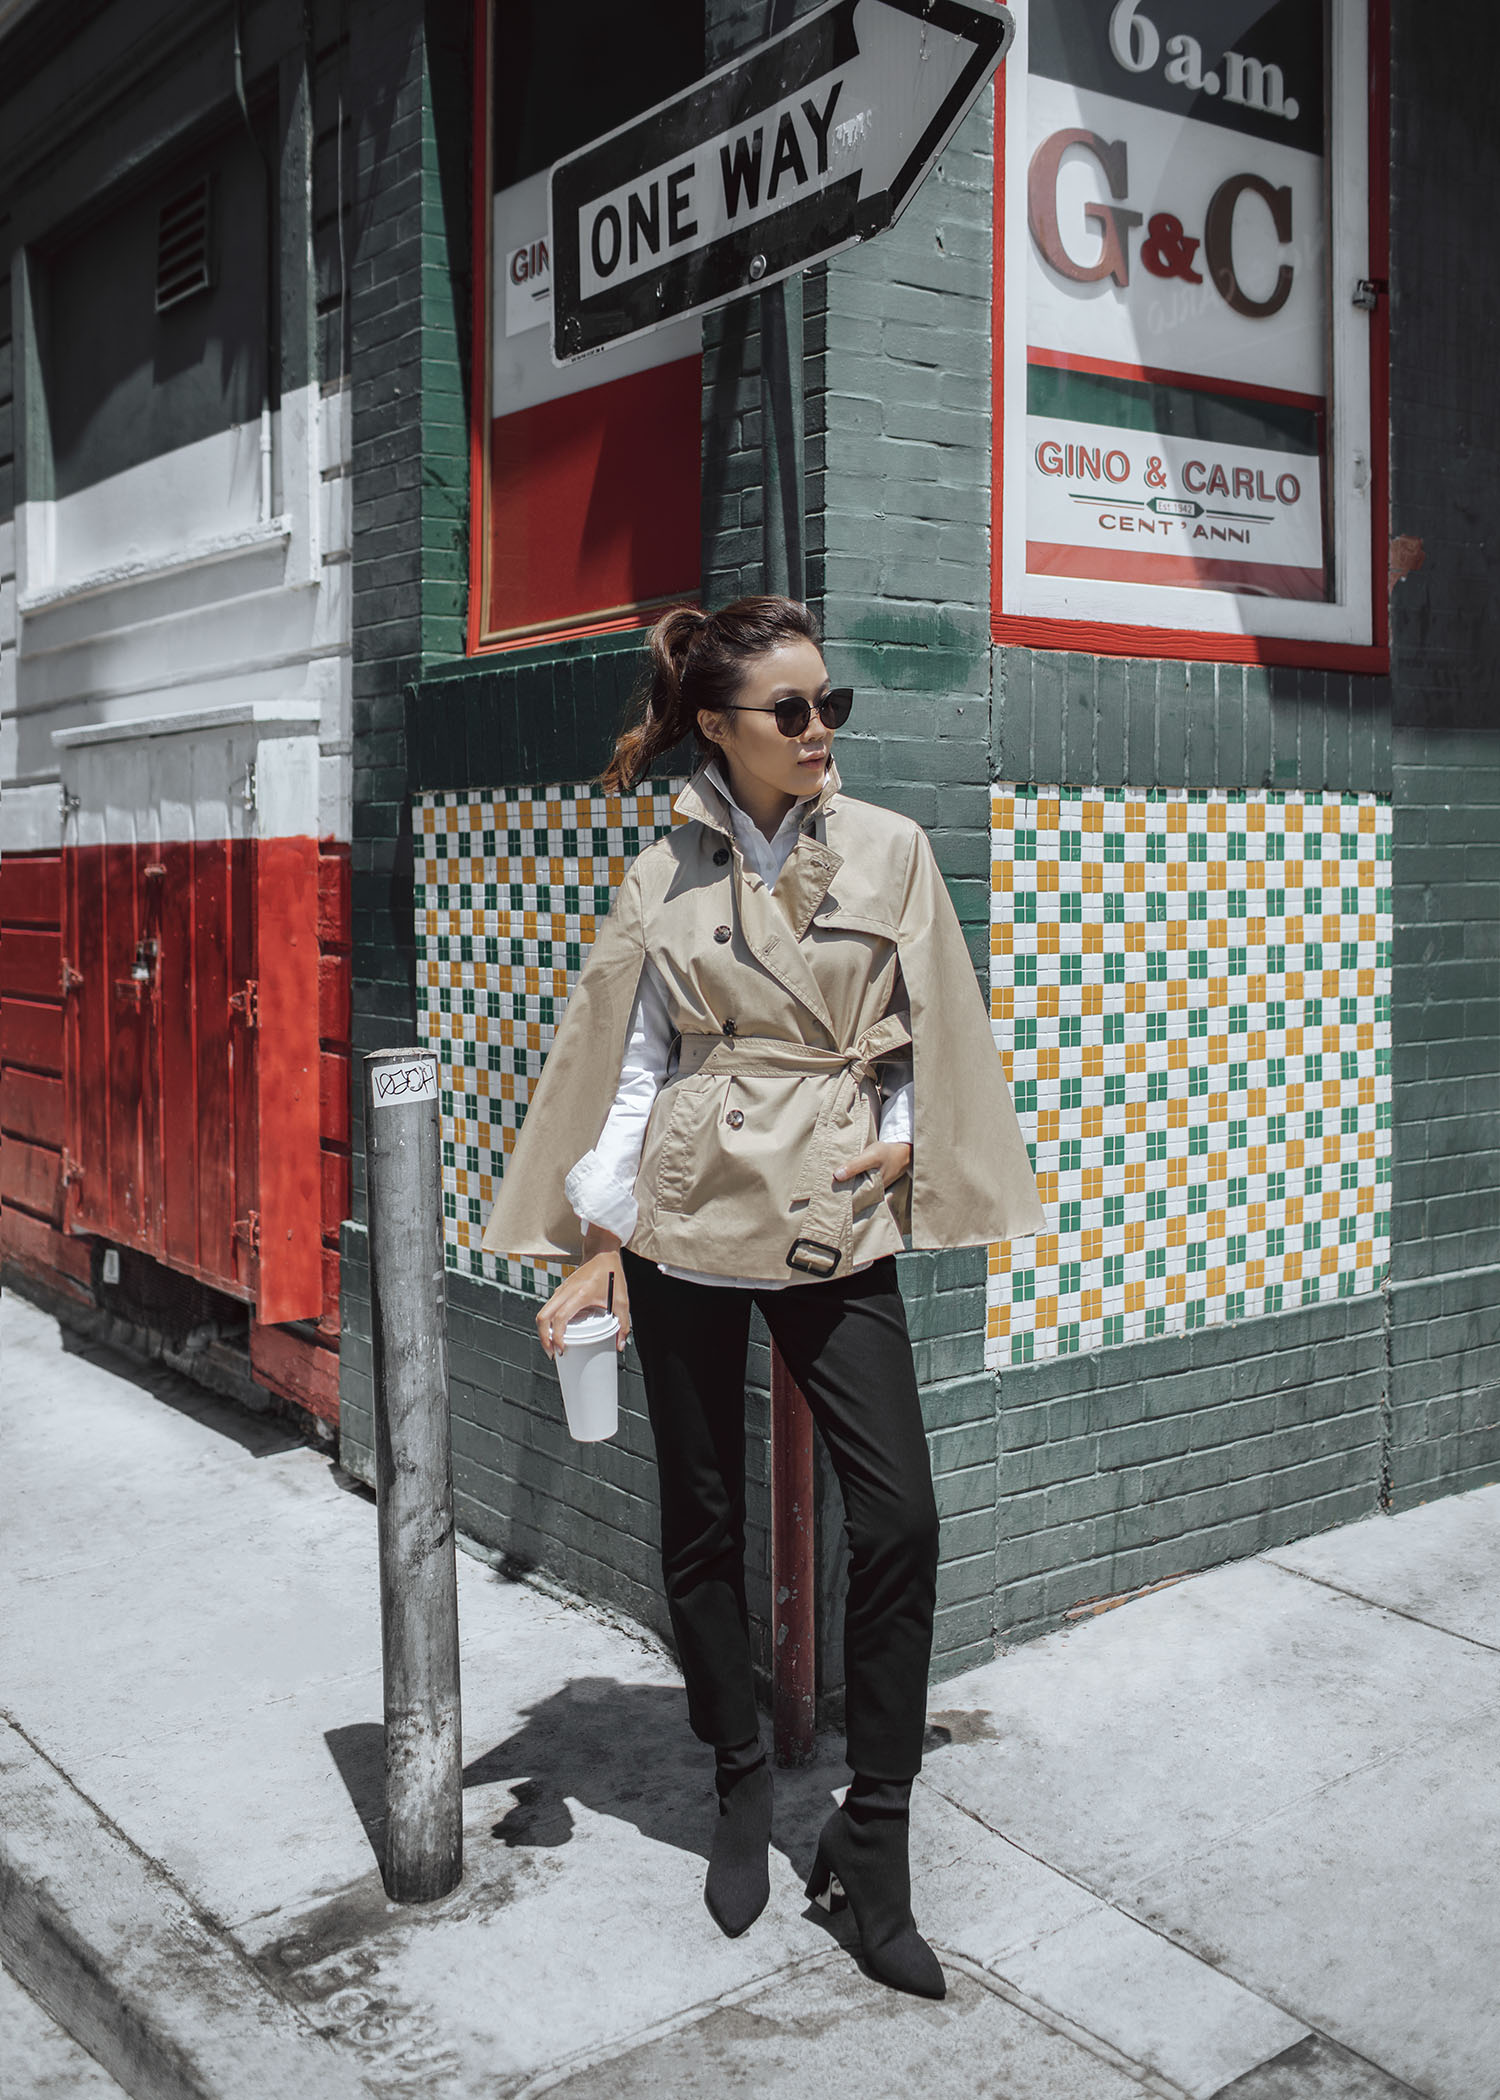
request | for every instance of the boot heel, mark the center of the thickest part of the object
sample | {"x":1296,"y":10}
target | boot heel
{"x":825,"y":1889}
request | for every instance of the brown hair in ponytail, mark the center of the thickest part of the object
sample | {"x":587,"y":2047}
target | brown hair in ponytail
{"x":698,"y":659}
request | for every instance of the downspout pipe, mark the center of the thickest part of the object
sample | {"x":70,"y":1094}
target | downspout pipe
{"x":269,"y":346}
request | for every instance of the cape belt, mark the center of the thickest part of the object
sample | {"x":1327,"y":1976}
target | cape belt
{"x":826,"y":1240}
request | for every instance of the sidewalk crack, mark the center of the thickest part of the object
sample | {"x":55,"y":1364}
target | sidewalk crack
{"x":1413,"y":1618}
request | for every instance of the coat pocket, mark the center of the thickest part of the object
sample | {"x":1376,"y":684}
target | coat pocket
{"x":689,"y":1108}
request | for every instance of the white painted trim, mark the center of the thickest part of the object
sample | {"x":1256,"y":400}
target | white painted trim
{"x":264,"y":716}
{"x":30,"y":817}
{"x":248,"y":779}
{"x":255,"y":537}
{"x":207,"y":675}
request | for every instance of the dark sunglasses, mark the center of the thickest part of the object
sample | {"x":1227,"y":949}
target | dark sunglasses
{"x":794,"y":713}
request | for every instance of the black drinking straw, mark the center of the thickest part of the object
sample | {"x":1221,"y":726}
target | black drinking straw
{"x":609,"y":1303}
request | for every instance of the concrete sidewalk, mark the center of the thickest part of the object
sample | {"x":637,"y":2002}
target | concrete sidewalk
{"x":1238,"y":1838}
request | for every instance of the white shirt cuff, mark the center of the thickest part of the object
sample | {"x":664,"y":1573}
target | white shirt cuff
{"x":896,"y":1114}
{"x":600,"y":1197}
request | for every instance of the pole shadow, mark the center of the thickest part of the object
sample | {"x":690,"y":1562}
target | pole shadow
{"x":620,"y":1750}
{"x":359,"y":1753}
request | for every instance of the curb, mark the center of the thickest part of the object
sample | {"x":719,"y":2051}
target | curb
{"x":103,"y":1940}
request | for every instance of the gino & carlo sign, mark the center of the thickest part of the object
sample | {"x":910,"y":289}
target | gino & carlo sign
{"x":1169,"y":414}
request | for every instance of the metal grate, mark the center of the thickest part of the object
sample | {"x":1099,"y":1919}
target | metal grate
{"x":182,"y":247}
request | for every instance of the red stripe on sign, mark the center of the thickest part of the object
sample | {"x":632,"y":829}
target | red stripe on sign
{"x":1157,"y":375}
{"x":594,"y":500}
{"x":1187,"y":571}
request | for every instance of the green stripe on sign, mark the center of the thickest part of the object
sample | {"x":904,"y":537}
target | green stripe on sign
{"x":1170,"y":411}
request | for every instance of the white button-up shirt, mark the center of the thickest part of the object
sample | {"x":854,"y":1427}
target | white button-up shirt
{"x":601,"y":1187}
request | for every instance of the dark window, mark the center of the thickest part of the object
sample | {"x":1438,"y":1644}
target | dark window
{"x":592,"y":470}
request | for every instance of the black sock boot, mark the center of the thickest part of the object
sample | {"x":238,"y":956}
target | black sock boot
{"x":862,"y":1860}
{"x":738,"y":1886}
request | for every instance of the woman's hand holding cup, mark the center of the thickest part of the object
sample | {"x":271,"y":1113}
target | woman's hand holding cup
{"x":588,"y":1290}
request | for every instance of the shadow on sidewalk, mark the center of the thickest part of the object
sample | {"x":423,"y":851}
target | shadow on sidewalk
{"x":621,"y":1750}
{"x":261,"y":1435}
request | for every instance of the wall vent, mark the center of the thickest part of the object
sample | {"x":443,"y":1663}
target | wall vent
{"x":182,"y":247}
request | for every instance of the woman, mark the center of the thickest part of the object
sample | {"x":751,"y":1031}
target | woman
{"x":774,"y":1064}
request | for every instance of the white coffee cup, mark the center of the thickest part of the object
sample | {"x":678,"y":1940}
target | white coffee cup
{"x":588,"y":1367}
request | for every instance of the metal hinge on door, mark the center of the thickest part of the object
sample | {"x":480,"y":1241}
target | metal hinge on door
{"x":246,"y":1003}
{"x":71,"y":1172}
{"x":248,"y":1230}
{"x":71,"y":978}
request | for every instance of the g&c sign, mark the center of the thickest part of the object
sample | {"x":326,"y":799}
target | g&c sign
{"x":1166,"y":250}
{"x":1168,"y":375}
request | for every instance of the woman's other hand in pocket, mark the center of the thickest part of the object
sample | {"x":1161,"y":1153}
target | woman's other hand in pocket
{"x":890,"y":1161}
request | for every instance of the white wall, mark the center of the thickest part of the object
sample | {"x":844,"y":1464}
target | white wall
{"x":162,"y":592}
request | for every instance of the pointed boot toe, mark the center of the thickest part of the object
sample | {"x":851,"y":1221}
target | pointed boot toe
{"x":907,"y":1963}
{"x":738,"y":1884}
{"x":865,"y":1865}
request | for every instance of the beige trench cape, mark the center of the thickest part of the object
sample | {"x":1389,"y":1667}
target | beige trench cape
{"x":780,"y":999}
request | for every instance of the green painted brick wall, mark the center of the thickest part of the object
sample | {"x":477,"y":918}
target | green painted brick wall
{"x":1083,"y":1478}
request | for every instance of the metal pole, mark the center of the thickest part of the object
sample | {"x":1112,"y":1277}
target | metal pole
{"x":414,"y":1478}
{"x":781,"y":439}
{"x":793,"y":1656}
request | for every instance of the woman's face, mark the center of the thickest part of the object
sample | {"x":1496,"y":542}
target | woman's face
{"x":749,"y":738}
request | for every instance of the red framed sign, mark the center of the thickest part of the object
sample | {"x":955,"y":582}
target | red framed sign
{"x":1189,"y":381}
{"x":584,"y":479}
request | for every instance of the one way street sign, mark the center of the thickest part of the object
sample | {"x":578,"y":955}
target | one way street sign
{"x":816,"y":138}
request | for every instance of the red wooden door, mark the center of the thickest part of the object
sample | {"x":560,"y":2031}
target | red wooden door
{"x":158,"y":1062}
{"x":191,"y":1061}
{"x":111,"y":1049}
{"x":284,"y":1094}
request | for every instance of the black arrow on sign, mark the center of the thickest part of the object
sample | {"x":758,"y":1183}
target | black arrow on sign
{"x":678,"y":211}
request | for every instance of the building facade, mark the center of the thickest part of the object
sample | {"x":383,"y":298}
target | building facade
{"x":1141,"y":478}
{"x":175,"y":735}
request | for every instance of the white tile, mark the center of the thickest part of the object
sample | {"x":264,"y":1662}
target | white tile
{"x":1147,"y":825}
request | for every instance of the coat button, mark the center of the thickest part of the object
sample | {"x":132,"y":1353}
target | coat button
{"x":721,"y":857}
{"x":721,"y":933}
{"x":735,"y":1118}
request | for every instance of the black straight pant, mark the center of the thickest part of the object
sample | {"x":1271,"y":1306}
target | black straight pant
{"x":845,"y":1343}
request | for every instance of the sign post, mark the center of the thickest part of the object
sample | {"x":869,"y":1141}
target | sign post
{"x":815,"y":139}
{"x":414,"y":1478}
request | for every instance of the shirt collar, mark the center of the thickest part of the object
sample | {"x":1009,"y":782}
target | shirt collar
{"x":745,"y":827}
{"x":707,"y":799}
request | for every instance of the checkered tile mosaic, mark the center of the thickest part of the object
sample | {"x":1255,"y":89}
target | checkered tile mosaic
{"x":1191,"y":995}
{"x":509,"y":887}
